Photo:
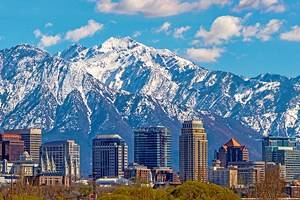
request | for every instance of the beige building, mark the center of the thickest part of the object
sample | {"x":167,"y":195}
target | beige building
{"x":193,"y":161}
{"x":25,"y":167}
{"x":250,"y":172}
{"x":53,"y":180}
{"x":226,"y":177}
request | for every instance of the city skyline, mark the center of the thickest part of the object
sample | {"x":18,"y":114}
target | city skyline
{"x":244,"y":37}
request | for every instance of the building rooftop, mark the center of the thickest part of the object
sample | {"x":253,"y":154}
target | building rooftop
{"x":232,"y":143}
{"x":58,"y":142}
{"x":109,"y":136}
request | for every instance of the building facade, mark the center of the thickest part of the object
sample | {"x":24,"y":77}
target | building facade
{"x":152,"y":147}
{"x":11,"y":147}
{"x":270,"y":146}
{"x":32,"y":141}
{"x":61,"y":157}
{"x":24,"y":166}
{"x":110,"y":156}
{"x":164,"y":176}
{"x":223,"y":176}
{"x":291,"y":160}
{"x":232,"y":151}
{"x":193,"y":155}
{"x":283,"y":150}
{"x":250,"y":172}
{"x":138,"y":173}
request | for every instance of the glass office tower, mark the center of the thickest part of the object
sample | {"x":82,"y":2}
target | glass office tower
{"x":152,"y":147}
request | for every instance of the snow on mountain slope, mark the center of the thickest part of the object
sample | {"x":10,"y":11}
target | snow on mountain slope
{"x":123,"y":84}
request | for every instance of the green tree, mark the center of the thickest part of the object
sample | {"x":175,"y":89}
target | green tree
{"x":200,"y":191}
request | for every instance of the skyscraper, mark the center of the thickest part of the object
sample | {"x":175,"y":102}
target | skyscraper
{"x":32,"y":141}
{"x":193,"y":161}
{"x":270,"y":146}
{"x":110,"y":156}
{"x":152,"y":147}
{"x":62,"y":157}
{"x":283,"y":150}
{"x":232,"y":151}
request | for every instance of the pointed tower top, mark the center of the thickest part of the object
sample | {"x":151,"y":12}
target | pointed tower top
{"x":232,"y":143}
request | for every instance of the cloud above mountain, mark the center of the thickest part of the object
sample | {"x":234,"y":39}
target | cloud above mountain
{"x":85,"y":31}
{"x":155,"y":8}
{"x":46,"y":40}
{"x":74,"y":35}
{"x":205,"y":55}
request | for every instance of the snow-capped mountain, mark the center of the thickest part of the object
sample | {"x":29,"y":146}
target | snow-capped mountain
{"x":122,"y":84}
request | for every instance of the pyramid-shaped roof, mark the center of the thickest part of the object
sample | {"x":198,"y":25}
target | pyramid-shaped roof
{"x":232,"y":143}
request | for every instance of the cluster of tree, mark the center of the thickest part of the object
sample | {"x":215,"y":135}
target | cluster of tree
{"x":27,"y":192}
{"x":186,"y":191}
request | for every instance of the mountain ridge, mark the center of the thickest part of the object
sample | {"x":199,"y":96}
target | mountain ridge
{"x":122,"y":84}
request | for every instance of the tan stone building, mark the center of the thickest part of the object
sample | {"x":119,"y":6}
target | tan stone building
{"x":193,"y":158}
{"x":226,"y":177}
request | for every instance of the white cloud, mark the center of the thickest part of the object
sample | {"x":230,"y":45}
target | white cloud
{"x":261,"y":32}
{"x":85,"y":31}
{"x":250,"y":31}
{"x":37,"y":33}
{"x":136,"y":34}
{"x":222,"y":29}
{"x":204,"y":55}
{"x":225,"y":28}
{"x":155,"y":8}
{"x":178,"y":32}
{"x":195,"y":42}
{"x":263,"y":5}
{"x":292,"y":35}
{"x":46,"y":40}
{"x":271,"y":28}
{"x":48,"y":24}
{"x":165,"y":27}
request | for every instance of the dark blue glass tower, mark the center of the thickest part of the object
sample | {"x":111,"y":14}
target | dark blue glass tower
{"x":152,"y":147}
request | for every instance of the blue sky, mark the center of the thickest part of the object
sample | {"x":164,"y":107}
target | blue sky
{"x":246,"y":37}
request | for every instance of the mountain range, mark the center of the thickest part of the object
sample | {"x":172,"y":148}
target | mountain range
{"x":122,"y":84}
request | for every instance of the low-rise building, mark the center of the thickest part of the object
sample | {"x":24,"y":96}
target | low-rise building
{"x":223,"y":176}
{"x":25,"y":166}
{"x":250,"y":172}
{"x":53,"y":179}
{"x":138,"y":173}
{"x":164,"y":176}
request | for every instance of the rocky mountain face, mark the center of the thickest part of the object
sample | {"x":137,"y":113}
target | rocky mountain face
{"x":122,"y":84}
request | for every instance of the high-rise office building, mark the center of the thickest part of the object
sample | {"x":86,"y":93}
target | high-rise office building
{"x":193,"y":161}
{"x":283,"y":150}
{"x":61,"y":157}
{"x":152,"y":147}
{"x":32,"y":141}
{"x":11,"y":147}
{"x":110,"y":156}
{"x":232,"y":151}
{"x":270,"y":146}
